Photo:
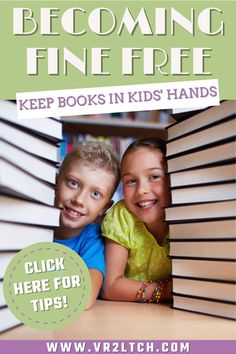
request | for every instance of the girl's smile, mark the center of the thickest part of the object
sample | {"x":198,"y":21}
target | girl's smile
{"x":145,"y":185}
{"x":145,"y":204}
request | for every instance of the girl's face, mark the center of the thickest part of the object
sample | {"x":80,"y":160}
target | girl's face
{"x":145,"y":184}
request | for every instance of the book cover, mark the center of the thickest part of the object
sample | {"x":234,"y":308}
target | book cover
{"x":114,"y":71}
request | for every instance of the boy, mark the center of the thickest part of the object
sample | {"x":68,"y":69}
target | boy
{"x":87,"y":179}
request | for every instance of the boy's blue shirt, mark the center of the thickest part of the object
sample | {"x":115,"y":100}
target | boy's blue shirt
{"x":89,"y":244}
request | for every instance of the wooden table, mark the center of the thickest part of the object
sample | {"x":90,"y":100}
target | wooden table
{"x":123,"y":320}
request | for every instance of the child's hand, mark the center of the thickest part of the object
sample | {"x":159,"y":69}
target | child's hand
{"x":117,"y":287}
{"x":96,"y":282}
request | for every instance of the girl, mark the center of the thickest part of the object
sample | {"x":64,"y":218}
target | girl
{"x":137,"y":263}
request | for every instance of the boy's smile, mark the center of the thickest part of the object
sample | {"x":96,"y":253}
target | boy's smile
{"x":73,"y":214}
{"x":83,"y":192}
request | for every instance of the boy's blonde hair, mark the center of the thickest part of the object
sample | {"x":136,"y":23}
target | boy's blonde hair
{"x":94,"y":153}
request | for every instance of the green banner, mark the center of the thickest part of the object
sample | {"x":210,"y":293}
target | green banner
{"x":50,"y":45}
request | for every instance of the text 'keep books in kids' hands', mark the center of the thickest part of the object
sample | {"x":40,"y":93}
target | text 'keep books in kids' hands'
{"x":201,"y":165}
{"x":28,"y":165}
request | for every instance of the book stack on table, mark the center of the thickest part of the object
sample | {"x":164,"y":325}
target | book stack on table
{"x":28,"y":165}
{"x":201,"y":164}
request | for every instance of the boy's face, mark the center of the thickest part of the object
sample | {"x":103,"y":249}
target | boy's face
{"x":145,"y":184}
{"x":83,"y":192}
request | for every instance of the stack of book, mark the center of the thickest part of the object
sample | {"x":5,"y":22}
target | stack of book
{"x":201,"y":166}
{"x":29,"y":151}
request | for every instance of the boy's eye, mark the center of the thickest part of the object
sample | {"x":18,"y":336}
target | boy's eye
{"x":96,"y":194}
{"x":73,"y":183}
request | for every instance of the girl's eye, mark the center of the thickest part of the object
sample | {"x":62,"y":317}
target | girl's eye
{"x":130,"y":182}
{"x":72,"y":183}
{"x":154,"y":177}
{"x":96,"y":194}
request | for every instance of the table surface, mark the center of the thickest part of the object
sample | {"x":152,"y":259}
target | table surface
{"x":122,"y":320}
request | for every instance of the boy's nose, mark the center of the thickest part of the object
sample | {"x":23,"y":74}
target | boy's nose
{"x":79,"y":198}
